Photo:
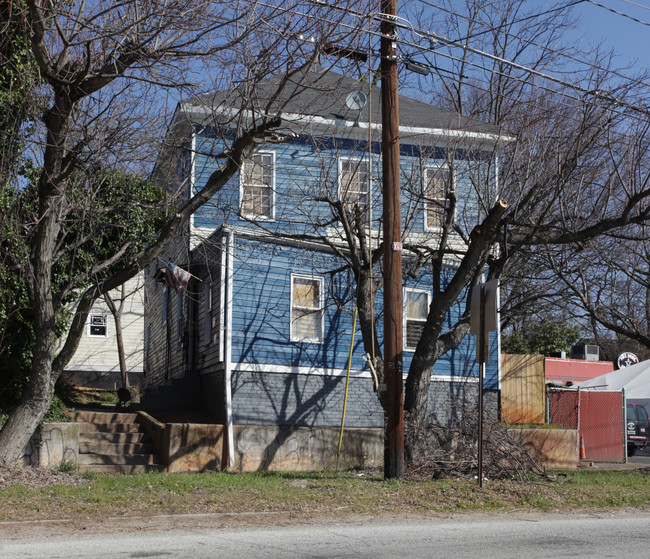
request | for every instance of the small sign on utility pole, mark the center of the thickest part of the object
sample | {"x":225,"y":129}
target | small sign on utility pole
{"x":483,"y":320}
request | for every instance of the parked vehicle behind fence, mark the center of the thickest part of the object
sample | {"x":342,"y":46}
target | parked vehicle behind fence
{"x":638,"y":428}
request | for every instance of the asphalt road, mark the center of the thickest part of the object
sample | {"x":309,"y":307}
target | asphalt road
{"x":488,"y":537}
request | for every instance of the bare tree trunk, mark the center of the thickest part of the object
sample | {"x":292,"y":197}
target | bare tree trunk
{"x":117,"y":317}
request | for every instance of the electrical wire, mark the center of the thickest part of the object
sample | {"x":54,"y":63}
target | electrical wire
{"x":451,"y":43}
{"x":617,"y":107}
{"x":623,"y":14}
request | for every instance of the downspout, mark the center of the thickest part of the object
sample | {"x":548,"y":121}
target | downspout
{"x":227,"y":346}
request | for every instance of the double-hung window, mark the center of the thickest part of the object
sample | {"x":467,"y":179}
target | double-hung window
{"x":416,"y":309}
{"x":257,"y":186}
{"x":306,"y":308}
{"x":354,"y":183}
{"x":437,"y":184}
{"x":98,"y":325}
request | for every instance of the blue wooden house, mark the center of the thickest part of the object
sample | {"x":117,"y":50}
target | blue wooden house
{"x":262,"y":335}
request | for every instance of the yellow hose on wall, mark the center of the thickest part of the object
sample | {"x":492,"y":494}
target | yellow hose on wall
{"x":347,"y":384}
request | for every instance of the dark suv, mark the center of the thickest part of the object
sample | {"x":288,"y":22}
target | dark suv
{"x":638,"y":428}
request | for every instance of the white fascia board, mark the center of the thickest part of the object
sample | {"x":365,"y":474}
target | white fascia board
{"x":328,"y":124}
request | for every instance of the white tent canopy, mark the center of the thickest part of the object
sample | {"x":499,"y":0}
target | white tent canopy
{"x":634,"y":379}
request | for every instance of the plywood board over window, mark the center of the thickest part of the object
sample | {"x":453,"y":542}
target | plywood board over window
{"x":437,"y":183}
{"x":354,"y":183}
{"x":257,"y":188}
{"x":306,"y":308}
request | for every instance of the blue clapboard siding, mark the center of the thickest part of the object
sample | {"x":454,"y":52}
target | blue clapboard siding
{"x":306,"y":169}
{"x":262,"y":308}
{"x":261,"y":314}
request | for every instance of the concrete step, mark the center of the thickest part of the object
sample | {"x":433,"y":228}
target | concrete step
{"x":109,"y":437}
{"x":120,"y":468}
{"x":118,"y":459}
{"x":108,"y":427}
{"x":91,"y":416}
{"x":102,"y":447}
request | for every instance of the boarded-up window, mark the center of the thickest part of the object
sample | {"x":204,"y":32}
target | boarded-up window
{"x":257,"y":186}
{"x":416,"y":308}
{"x":438,"y":182}
{"x":306,"y":309}
{"x":355,"y":183}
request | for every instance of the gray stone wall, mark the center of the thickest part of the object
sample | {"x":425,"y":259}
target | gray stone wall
{"x":317,"y":401}
{"x":303,"y":400}
{"x":449,"y":402}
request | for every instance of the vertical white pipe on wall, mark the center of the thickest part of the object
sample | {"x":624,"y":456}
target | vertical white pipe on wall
{"x":229,"y":257}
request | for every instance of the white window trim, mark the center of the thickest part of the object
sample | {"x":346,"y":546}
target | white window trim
{"x":241,"y":190}
{"x":404,"y":317}
{"x":90,"y":320}
{"x":436,"y":167}
{"x":321,"y":309}
{"x":365,"y":160}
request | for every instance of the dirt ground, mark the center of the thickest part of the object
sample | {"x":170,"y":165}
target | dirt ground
{"x":36,"y":477}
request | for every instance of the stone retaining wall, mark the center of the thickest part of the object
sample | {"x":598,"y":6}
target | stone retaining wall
{"x":52,"y":444}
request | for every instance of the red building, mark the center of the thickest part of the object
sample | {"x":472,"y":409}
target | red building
{"x":561,"y":371}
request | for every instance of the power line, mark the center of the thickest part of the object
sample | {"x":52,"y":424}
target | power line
{"x":435,"y":38}
{"x":623,"y":14}
{"x":618,"y":107}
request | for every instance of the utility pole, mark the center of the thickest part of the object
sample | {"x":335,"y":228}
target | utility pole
{"x":393,"y":343}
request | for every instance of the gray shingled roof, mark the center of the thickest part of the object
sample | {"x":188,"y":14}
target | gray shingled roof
{"x":322,"y":93}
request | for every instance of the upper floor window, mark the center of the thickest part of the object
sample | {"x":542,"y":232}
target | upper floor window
{"x":354,"y":183}
{"x":306,"y":308}
{"x":98,"y":325}
{"x":416,"y":309}
{"x":437,"y":183}
{"x":256,"y":186}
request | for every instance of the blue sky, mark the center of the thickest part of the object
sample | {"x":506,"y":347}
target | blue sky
{"x":629,"y":38}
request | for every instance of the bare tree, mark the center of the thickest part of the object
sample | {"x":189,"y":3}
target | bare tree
{"x":105,"y":69}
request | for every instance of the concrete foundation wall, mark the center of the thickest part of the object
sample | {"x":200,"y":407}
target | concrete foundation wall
{"x":556,"y":448}
{"x":302,"y":449}
{"x":193,"y":447}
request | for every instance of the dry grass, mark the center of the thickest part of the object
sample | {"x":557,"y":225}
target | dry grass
{"x":307,"y":496}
